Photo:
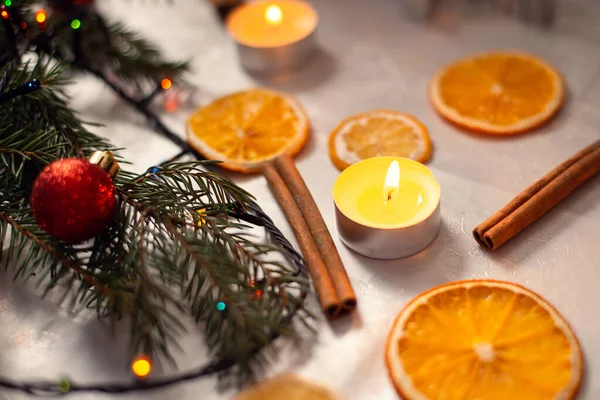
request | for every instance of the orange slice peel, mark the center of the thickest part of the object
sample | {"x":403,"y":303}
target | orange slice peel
{"x":248,"y":128}
{"x":483,"y":339}
{"x":497,"y":93}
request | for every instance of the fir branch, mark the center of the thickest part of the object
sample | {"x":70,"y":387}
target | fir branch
{"x":124,"y":258}
{"x":223,"y":263}
{"x":178,"y":243}
{"x":183,"y":189}
{"x":46,"y":109}
{"x":139,"y":58}
{"x":113,"y":49}
{"x":152,"y":331}
{"x":25,"y":232}
{"x":18,"y":143}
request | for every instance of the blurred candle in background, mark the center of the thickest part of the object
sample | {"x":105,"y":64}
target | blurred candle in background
{"x":273,"y":36}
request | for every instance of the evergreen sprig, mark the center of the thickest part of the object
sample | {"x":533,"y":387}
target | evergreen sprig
{"x":180,"y":243}
{"x":46,"y":109}
{"x":112,"y":48}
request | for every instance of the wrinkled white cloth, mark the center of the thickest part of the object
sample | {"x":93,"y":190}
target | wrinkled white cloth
{"x":370,"y":57}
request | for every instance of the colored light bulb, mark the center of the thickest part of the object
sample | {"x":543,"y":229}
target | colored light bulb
{"x":166,"y":83}
{"x":141,"y":366}
{"x":40,"y":16}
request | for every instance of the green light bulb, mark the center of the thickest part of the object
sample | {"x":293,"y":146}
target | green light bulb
{"x":64,"y":385}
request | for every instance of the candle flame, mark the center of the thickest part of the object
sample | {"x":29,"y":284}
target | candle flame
{"x":392,"y":181}
{"x":273,"y":14}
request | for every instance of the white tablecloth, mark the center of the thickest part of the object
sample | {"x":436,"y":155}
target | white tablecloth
{"x":370,"y":57}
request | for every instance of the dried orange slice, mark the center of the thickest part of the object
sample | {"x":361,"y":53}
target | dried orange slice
{"x":248,"y":128}
{"x":484,"y":340}
{"x":286,"y":387}
{"x":378,"y":133}
{"x":500,"y":93}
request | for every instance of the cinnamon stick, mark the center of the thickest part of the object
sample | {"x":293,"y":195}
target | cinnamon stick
{"x":539,"y":198}
{"x":305,"y":202}
{"x":328,"y":298}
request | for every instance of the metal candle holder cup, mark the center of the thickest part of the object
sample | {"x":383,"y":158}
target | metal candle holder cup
{"x":281,"y":59}
{"x":389,"y":244}
{"x":398,"y":227}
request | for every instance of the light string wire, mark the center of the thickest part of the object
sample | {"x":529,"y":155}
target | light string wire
{"x":253,"y":214}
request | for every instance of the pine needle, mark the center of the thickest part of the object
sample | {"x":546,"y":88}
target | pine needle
{"x":183,"y":240}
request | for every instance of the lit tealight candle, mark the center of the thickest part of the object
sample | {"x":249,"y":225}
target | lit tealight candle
{"x":387,"y":207}
{"x":273,"y":36}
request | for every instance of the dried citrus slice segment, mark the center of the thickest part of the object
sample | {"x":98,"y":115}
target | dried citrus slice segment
{"x":378,"y":133}
{"x":484,"y":340}
{"x":286,"y":387}
{"x":500,"y":93}
{"x":248,"y":128}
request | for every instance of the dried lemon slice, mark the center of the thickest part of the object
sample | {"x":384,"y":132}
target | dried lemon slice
{"x":378,"y":133}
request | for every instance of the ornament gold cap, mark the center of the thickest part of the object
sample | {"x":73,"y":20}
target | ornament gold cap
{"x":106,"y":160}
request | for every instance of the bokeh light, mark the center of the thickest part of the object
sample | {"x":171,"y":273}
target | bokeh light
{"x":166,"y":83}
{"x":141,"y":366}
{"x":40,"y":16}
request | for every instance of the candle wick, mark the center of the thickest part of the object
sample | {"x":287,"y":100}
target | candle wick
{"x":389,"y":195}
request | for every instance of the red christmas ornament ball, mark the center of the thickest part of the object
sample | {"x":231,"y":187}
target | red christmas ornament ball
{"x":73,"y":199}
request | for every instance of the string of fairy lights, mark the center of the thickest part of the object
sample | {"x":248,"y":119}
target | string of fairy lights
{"x":141,"y":366}
{"x":41,"y":16}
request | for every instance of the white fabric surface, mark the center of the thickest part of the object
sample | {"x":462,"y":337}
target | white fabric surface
{"x":370,"y":57}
